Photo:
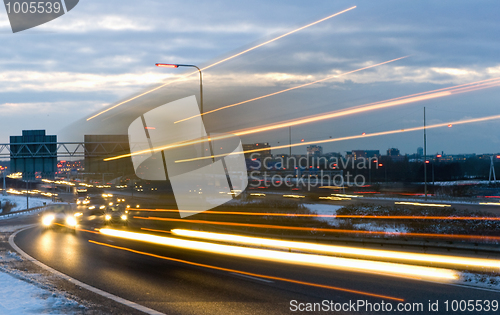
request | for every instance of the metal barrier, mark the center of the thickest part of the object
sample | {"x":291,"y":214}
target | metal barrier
{"x":12,"y":214}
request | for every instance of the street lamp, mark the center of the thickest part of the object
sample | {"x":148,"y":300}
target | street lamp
{"x":385,"y":170}
{"x":169,"y":65}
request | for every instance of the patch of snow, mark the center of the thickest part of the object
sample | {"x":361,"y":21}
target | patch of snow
{"x":481,"y":280}
{"x":18,"y":297}
{"x":324,"y":209}
{"x":10,"y":228}
{"x":393,"y":228}
{"x":20,"y":202}
{"x":460,"y":182}
{"x":422,"y":200}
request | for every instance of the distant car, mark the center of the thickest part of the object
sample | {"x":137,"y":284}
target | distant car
{"x":116,"y":214}
{"x":60,"y":215}
{"x":82,"y":201}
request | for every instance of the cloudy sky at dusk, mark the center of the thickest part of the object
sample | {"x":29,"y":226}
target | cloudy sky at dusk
{"x":102,"y":52}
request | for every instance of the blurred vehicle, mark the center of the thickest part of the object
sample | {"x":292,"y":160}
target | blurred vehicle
{"x":60,"y":215}
{"x":81,"y":201}
{"x":116,"y":214}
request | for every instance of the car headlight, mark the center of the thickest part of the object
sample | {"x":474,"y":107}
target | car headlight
{"x":124,"y":217}
{"x":78,"y":202}
{"x":110,"y":203}
{"x":91,"y":207}
{"x":107,"y":217}
{"x":71,"y":221}
{"x":47,"y":220}
{"x":77,"y":214}
{"x":102,"y":207}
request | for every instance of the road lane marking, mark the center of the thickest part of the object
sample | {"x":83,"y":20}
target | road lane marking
{"x":253,"y":278}
{"x":76,"y":282}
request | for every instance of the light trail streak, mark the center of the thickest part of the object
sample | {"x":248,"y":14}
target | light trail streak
{"x":221,"y":61}
{"x":290,"y":89}
{"x":338,"y":216}
{"x":422,"y":204}
{"x":490,"y":203}
{"x":364,"y":135}
{"x":249,"y":273}
{"x":354,"y":265}
{"x":336,"y":114}
{"x":153,"y":230}
{"x":309,"y":229}
{"x":477,"y":264}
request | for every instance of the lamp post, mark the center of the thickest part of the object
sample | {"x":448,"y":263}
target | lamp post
{"x":168,"y":65}
{"x":385,"y":170}
{"x":425,"y":159}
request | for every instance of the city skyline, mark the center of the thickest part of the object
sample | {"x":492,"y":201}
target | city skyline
{"x":59,"y":86}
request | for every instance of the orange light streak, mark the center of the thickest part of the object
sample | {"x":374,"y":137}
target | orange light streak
{"x":354,"y":110}
{"x":221,"y":61}
{"x":290,"y":89}
{"x":305,"y":215}
{"x":296,"y":228}
{"x":382,"y":133}
{"x":249,"y":273}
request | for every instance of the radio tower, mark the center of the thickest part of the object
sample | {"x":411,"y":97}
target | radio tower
{"x":492,"y":171}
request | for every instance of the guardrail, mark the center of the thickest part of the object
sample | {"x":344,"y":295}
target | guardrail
{"x":16,"y":213}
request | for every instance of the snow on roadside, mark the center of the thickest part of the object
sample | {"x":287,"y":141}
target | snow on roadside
{"x":332,"y":210}
{"x":481,"y":280}
{"x":324,"y":209}
{"x":20,"y":202}
{"x":18,"y":297}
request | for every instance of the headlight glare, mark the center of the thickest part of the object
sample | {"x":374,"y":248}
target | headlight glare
{"x":47,"y":220}
{"x":71,"y":221}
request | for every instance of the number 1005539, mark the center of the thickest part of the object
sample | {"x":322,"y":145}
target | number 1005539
{"x":33,"y":7}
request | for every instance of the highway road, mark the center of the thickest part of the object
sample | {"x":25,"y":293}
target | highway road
{"x":174,"y":287}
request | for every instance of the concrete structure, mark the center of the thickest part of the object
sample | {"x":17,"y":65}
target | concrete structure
{"x":104,"y":146}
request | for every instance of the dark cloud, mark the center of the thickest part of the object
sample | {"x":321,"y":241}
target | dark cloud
{"x":112,"y":42}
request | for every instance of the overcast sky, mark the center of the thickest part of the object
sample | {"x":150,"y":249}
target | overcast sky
{"x":102,"y":52}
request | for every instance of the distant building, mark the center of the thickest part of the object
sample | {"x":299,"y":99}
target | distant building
{"x":393,"y":152}
{"x":366,"y":154}
{"x":257,"y":146}
{"x":394,"y":155}
{"x":420,"y":152}
{"x":34,"y":154}
{"x":315,"y":150}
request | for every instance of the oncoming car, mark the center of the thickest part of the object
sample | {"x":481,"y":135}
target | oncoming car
{"x":81,"y":201}
{"x":60,"y":215}
{"x":116,"y":213}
